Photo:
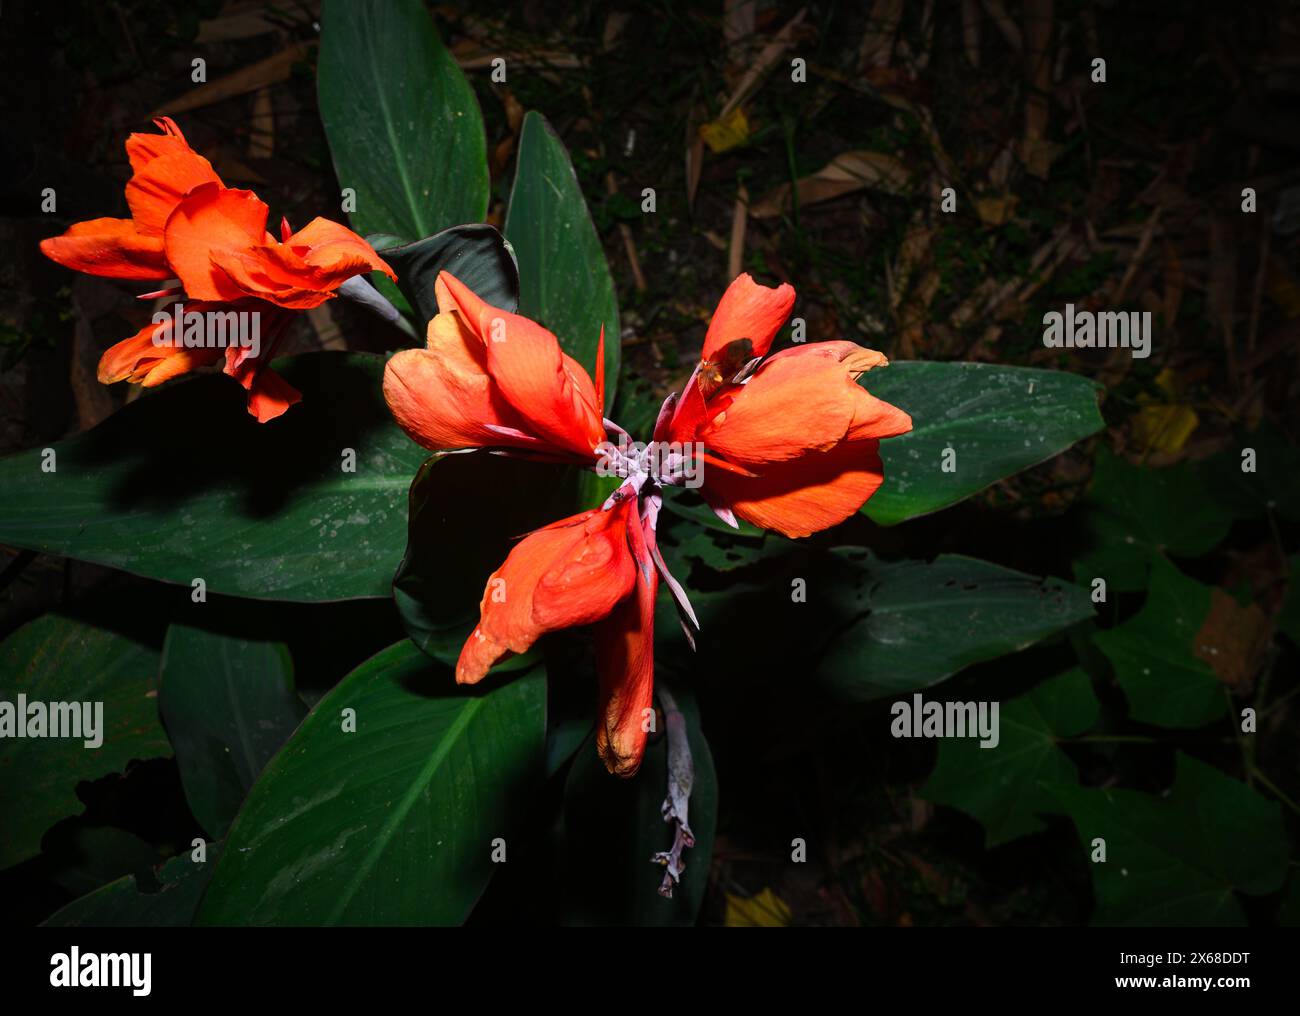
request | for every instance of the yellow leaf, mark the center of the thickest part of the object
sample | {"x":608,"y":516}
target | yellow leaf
{"x":1164,"y":426}
{"x":726,"y":133}
{"x":763,"y":910}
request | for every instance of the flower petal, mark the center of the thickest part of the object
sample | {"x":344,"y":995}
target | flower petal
{"x":625,"y":662}
{"x":212,"y":219}
{"x":443,"y":397}
{"x":571,"y":573}
{"x":162,"y":183}
{"x":805,"y":495}
{"x":751,"y":311}
{"x":142,"y":360}
{"x":802,"y":399}
{"x":109,"y":247}
{"x":546,"y":387}
{"x":305,"y":270}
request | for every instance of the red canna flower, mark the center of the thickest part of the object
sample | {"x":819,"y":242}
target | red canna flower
{"x":489,"y":378}
{"x":800,"y":436}
{"x":186,"y":224}
{"x":788,"y":442}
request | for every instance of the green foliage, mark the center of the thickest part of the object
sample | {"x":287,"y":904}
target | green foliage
{"x":1005,"y":786}
{"x":996,"y":420}
{"x":126,"y":903}
{"x":59,"y":659}
{"x":1163,"y":679}
{"x":613,"y":827}
{"x":476,"y":254}
{"x":403,"y":124}
{"x":393,"y":822}
{"x":1136,"y":514}
{"x":228,"y":704}
{"x":1179,"y":859}
{"x":564,"y":280}
{"x":184,"y":484}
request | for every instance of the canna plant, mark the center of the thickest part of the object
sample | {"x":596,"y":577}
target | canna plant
{"x":389,"y":801}
{"x":794,"y":441}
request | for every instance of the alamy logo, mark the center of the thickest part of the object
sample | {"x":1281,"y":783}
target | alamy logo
{"x":84,"y":720}
{"x":919,"y":718}
{"x":102,"y":970}
{"x":212,"y":329}
{"x":1087,"y":329}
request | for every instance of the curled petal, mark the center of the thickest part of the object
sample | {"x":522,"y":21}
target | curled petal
{"x":141,"y":149}
{"x":750,"y":311}
{"x":154,"y":355}
{"x":546,"y":387}
{"x":303,"y":271}
{"x":801,"y":400}
{"x":212,"y":220}
{"x":443,"y":396}
{"x":269,"y":394}
{"x":625,"y":664}
{"x":568,"y":574}
{"x":109,"y":247}
{"x":156,"y":189}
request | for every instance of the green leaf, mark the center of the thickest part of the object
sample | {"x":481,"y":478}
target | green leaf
{"x":476,"y":254}
{"x":1136,"y":514}
{"x":1000,"y":786}
{"x":1272,"y":482}
{"x":228,"y":704}
{"x":1175,"y":860}
{"x":57,"y":659}
{"x":613,"y":826}
{"x":997,"y":421}
{"x":697,"y":511}
{"x":467,"y":511}
{"x":393,"y":823}
{"x":403,"y":125}
{"x":1165,"y":682}
{"x":125,"y":903}
{"x":564,"y":280}
{"x":184,"y":484}
{"x":907,"y":625}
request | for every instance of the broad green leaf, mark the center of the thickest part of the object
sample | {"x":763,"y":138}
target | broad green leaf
{"x":1000,"y":786}
{"x":184,"y":484}
{"x":906,"y":625}
{"x":403,"y":125}
{"x":1165,"y":682}
{"x":1136,"y":514}
{"x":1179,"y":859}
{"x":125,"y":903}
{"x":564,"y":279}
{"x":56,"y":659}
{"x":997,"y":421}
{"x":228,"y":704}
{"x":392,"y":823}
{"x":476,"y":254}
{"x":467,"y":512}
{"x":613,"y":826}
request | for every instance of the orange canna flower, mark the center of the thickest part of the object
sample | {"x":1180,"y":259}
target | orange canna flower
{"x":489,"y":378}
{"x":797,"y":437}
{"x":789,"y":442}
{"x":186,"y":224}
